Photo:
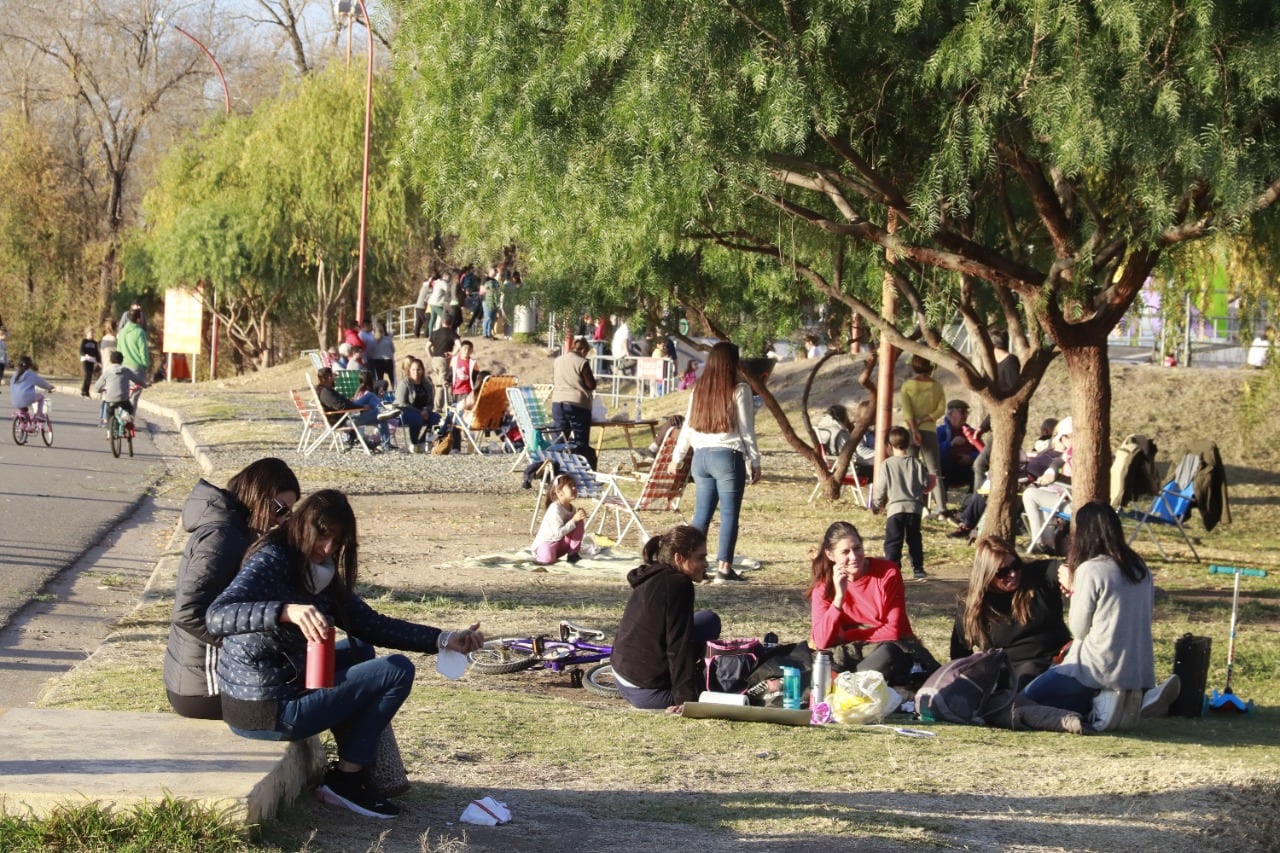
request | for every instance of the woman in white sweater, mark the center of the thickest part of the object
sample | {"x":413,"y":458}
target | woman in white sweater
{"x":720,"y":429}
{"x":1111,"y":660}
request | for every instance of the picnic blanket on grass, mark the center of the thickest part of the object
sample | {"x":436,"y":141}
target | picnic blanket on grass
{"x":608,"y":562}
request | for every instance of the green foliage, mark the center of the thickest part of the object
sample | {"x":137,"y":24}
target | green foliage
{"x":172,"y":825}
{"x":42,"y":236}
{"x":1021,"y":163}
{"x":262,"y":205}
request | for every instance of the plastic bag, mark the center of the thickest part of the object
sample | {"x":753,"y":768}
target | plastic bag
{"x":861,"y":698}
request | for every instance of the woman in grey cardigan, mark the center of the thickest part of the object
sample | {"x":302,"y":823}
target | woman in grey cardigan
{"x":1111,"y":659}
{"x":223,"y":524}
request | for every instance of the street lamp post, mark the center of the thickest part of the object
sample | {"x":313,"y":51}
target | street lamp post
{"x":226,"y":93}
{"x":364,"y":178}
{"x":226,"y":102}
{"x":347,"y":8}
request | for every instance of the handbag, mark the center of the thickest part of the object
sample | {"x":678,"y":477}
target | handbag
{"x":388,"y":775}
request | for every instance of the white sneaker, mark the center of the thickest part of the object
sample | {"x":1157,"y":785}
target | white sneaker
{"x":1156,"y":701}
{"x":1115,"y":709}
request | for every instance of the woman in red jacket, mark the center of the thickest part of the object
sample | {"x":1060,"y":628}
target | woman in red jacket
{"x":858,"y":607}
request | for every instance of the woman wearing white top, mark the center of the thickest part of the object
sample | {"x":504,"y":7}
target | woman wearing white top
{"x":720,"y":429}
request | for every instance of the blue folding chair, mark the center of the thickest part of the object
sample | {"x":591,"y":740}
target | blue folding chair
{"x":1171,"y":507}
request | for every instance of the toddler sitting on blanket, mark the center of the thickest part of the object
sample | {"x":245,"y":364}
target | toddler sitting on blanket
{"x":562,"y":526}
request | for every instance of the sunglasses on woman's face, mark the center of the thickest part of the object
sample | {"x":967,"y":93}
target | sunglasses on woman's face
{"x":282,"y":509}
{"x":1009,"y":569}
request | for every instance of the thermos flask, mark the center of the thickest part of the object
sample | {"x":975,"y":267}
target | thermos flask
{"x":821,"y":677}
{"x":320,"y":661}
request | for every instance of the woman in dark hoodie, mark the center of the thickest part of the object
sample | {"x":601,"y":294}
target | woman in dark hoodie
{"x":223,"y":523}
{"x":661,"y":638}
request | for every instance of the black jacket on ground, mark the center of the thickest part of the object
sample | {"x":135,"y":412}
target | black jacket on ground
{"x":220,"y":534}
{"x":1030,"y":647}
{"x":654,"y":648}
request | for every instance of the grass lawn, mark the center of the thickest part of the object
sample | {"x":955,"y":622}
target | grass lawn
{"x":582,"y":771}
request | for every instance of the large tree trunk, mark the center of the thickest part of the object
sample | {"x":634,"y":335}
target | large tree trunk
{"x":1088,"y":370}
{"x":1008,"y":429}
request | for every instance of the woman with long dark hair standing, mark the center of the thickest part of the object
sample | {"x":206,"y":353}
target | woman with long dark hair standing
{"x":720,"y":430}
{"x":1111,"y":660}
{"x":90,"y":359}
{"x":296,"y":583}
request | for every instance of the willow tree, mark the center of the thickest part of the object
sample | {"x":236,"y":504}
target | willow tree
{"x":1030,"y":161}
{"x":264,"y":210}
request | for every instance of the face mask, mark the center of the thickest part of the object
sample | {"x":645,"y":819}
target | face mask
{"x":321,"y":576}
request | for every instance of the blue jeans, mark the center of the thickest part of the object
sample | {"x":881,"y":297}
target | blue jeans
{"x":361,"y":704}
{"x":417,"y":424}
{"x":369,"y":417}
{"x":487,"y":326}
{"x":720,"y":476}
{"x":706,"y":627}
{"x":1056,"y":690}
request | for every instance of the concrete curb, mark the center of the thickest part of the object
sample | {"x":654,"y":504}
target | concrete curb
{"x":194,"y":447}
{"x":123,"y":758}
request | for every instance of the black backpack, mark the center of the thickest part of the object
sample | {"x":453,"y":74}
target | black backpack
{"x":971,"y":690}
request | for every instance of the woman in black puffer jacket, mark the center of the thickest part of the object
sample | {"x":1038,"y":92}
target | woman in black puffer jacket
{"x":223,"y":523}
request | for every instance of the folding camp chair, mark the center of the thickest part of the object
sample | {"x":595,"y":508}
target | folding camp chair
{"x":487,"y":413}
{"x":345,"y":382}
{"x":594,"y":486}
{"x":335,"y":424}
{"x":528,"y":405}
{"x":663,"y":490}
{"x":1171,"y":507}
{"x":851,"y":480}
{"x":1059,"y":509}
{"x":311,"y":417}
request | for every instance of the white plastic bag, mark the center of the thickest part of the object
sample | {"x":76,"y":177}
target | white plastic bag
{"x":862,"y":698}
{"x":486,"y":812}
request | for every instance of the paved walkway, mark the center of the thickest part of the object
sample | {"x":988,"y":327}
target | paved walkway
{"x":53,"y":757}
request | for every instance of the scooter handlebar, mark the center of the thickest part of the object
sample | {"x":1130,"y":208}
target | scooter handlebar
{"x":1231,"y":570}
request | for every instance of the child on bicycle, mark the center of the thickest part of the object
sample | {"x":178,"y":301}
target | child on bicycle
{"x":562,"y":526}
{"x":113,"y":385}
{"x":26,"y":386}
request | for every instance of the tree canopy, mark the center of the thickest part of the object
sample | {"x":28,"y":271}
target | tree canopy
{"x":264,"y":209}
{"x":1027,"y":162}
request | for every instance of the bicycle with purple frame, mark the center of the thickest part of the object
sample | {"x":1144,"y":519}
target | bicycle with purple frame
{"x":577,"y":647}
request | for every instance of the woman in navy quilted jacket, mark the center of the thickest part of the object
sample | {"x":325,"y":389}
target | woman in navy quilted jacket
{"x":296,"y":581}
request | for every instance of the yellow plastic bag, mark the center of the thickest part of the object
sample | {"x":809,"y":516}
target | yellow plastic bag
{"x":861,"y":698}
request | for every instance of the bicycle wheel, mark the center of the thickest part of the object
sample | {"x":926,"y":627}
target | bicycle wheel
{"x":599,"y":680}
{"x":19,"y":431}
{"x":499,"y":657}
{"x":46,"y":431}
{"x":113,"y":429}
{"x":128,"y":436}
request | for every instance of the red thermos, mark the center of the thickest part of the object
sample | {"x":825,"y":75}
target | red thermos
{"x":320,"y":661}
